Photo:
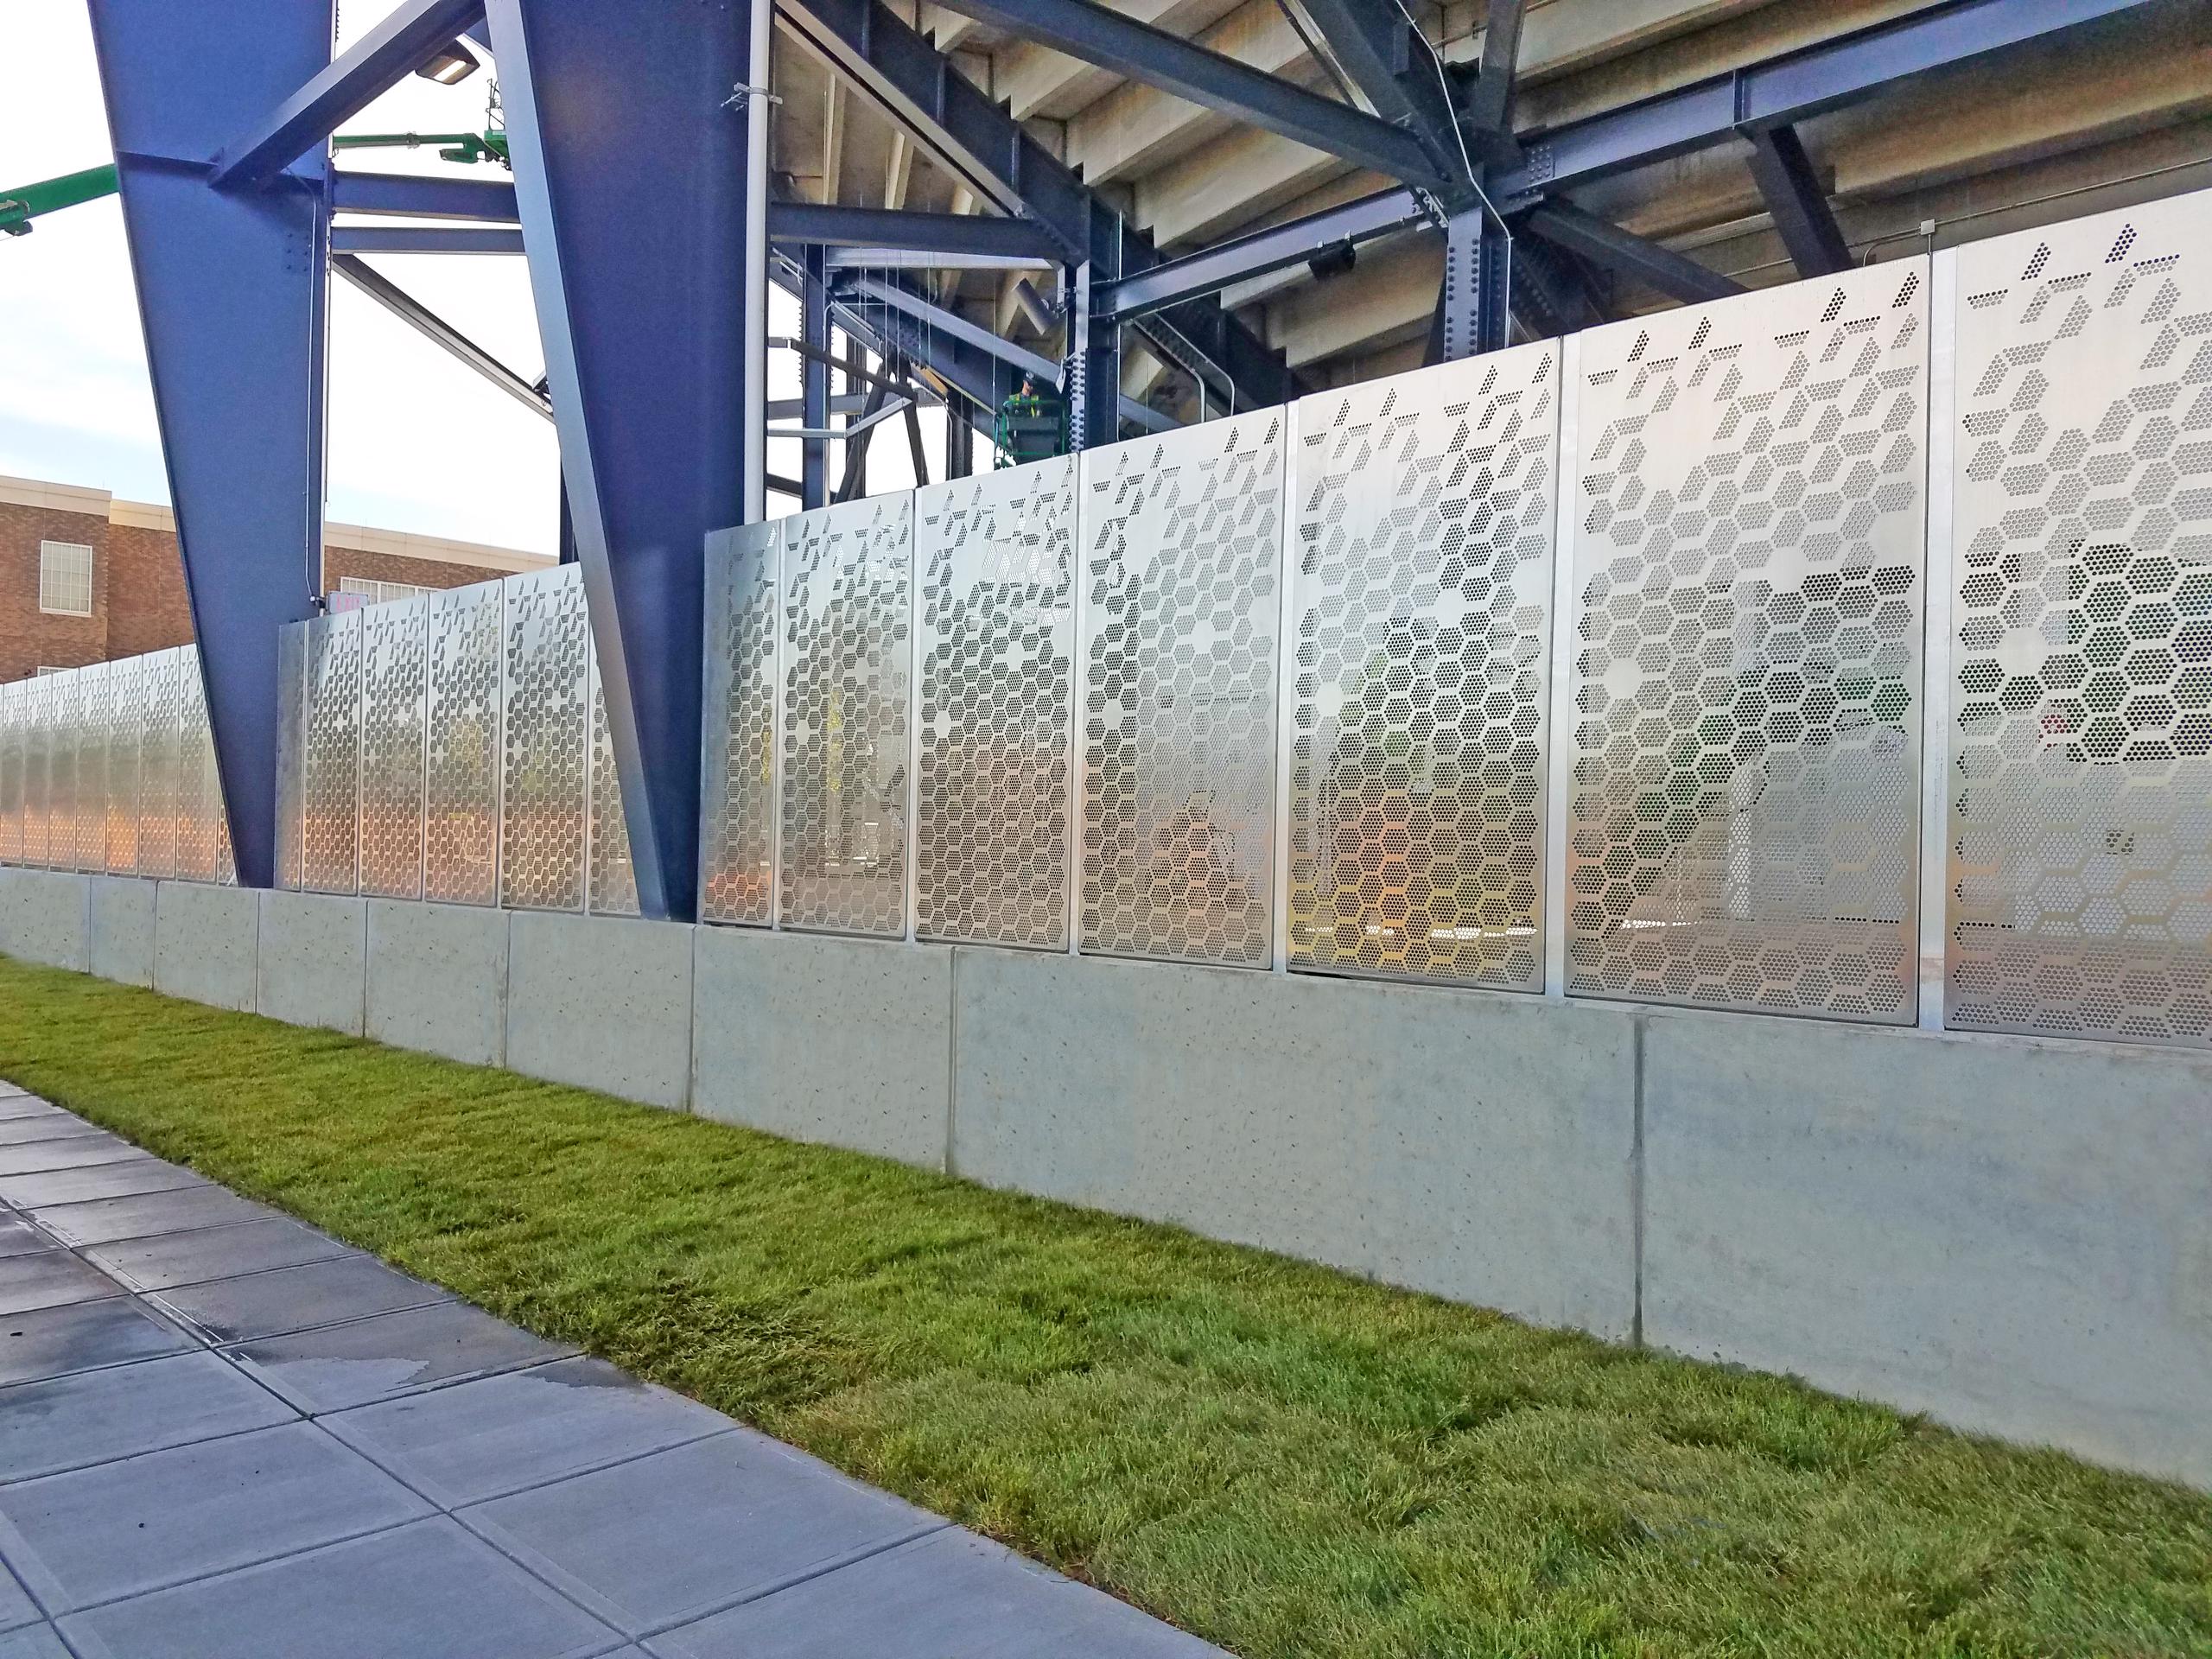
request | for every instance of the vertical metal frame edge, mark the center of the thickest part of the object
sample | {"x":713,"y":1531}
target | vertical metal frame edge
{"x":1938,"y":584}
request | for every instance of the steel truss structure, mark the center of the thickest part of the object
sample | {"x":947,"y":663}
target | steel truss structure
{"x":650,"y":279}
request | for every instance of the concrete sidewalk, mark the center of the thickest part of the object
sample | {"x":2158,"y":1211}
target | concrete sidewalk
{"x":224,"y":1435}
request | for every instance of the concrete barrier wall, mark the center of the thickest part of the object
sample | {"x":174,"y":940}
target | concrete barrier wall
{"x":437,"y":979}
{"x":312,"y":966}
{"x":123,"y":929}
{"x":45,"y":916}
{"x":843,"y":1041}
{"x":206,"y":943}
{"x":1478,"y":1148}
{"x":2011,"y":1235}
{"x":601,"y":1003}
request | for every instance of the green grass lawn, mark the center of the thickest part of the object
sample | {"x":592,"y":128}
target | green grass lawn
{"x":1285,"y":1459}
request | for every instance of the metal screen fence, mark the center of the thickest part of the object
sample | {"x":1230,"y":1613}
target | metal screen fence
{"x":110,"y":770}
{"x":1843,"y":649}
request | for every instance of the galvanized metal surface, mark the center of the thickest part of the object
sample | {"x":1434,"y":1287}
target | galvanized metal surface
{"x":1182,"y":540}
{"x":996,"y":558}
{"x":395,"y":676}
{"x":738,"y":779}
{"x":546,"y":733}
{"x":331,"y":758}
{"x":1748,"y":551}
{"x":2081,"y":808}
{"x":847,"y":667}
{"x":1421,"y":599}
{"x":462,"y":745}
{"x":614,"y":877}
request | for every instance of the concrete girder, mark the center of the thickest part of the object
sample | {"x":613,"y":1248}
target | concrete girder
{"x":1040,"y":83}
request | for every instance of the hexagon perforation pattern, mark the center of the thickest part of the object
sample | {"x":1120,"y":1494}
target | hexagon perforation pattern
{"x":546,"y":733}
{"x":395,"y":674}
{"x":461,"y":830}
{"x":848,"y":669}
{"x":14,"y":724}
{"x":996,"y":554}
{"x":36,"y":739}
{"x":1749,"y":530}
{"x":291,"y":758}
{"x":1421,"y":598}
{"x":199,"y":794}
{"x":331,"y":772}
{"x":1182,"y":546}
{"x":737,"y":840}
{"x":2081,"y":794}
{"x":61,"y":772}
{"x":614,"y":878}
{"x":126,"y":687}
{"x":161,"y":737}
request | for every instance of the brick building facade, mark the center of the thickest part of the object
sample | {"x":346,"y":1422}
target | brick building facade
{"x":134,"y":602}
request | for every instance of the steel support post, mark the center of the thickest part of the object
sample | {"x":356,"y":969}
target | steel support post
{"x":1477,"y":286}
{"x":1802,"y":216}
{"x":814,"y":377}
{"x":637,"y":268}
{"x":232,"y":294}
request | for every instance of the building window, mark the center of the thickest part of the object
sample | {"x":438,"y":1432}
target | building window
{"x":64,"y":578}
{"x":379,"y":593}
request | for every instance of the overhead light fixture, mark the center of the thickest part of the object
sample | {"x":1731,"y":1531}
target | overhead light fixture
{"x":453,"y":64}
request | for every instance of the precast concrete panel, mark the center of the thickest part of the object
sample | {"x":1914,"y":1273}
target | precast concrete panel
{"x":737,"y":841}
{"x":331,"y":775}
{"x":291,"y":751}
{"x":395,"y":691}
{"x":1748,"y":519}
{"x":1182,"y":547}
{"x":995,"y":556}
{"x":848,"y":671}
{"x":462,"y":762}
{"x":2081,"y":790}
{"x":200,"y":792}
{"x":614,"y":877}
{"x":547,"y":736}
{"x":1421,"y":605}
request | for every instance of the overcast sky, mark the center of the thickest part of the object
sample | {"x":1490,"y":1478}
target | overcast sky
{"x":416,"y":442}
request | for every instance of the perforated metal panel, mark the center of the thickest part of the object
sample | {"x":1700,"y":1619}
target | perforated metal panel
{"x":200,"y":796}
{"x":996,"y":557}
{"x":737,"y":838}
{"x":546,"y":737}
{"x":2081,"y":798}
{"x":1421,"y":598}
{"x":331,"y":774}
{"x":291,"y":750}
{"x":126,"y":691}
{"x":395,"y":676}
{"x":160,"y":733}
{"x":13,"y":710}
{"x":1749,"y":527}
{"x":91,"y":722}
{"x":62,"y":727}
{"x":847,"y":671}
{"x":1182,"y":552}
{"x":463,"y":761}
{"x":614,"y":878}
{"x":38,"y":740}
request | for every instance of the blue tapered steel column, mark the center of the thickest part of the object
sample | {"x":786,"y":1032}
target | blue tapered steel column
{"x":231,"y":287}
{"x":629,"y":151}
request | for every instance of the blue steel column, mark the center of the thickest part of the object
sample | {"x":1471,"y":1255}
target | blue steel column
{"x":231,"y":287}
{"x":629,"y":150}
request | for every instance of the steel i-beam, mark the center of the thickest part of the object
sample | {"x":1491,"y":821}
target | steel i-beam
{"x":635,"y":266}
{"x":231,"y":290}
